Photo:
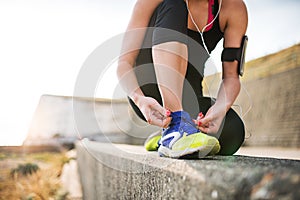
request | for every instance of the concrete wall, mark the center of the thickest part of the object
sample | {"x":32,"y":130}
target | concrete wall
{"x":271,"y":85}
{"x":65,"y":119}
{"x":128,"y":172}
{"x":275,"y":116}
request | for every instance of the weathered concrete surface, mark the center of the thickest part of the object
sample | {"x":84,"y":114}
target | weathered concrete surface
{"x":128,"y":172}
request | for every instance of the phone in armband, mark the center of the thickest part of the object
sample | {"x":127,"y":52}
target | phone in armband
{"x":230,"y":54}
{"x":243,"y":55}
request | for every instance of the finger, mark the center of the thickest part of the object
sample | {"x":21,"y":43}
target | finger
{"x":204,"y":121}
{"x":148,"y":118}
{"x":168,"y":113}
{"x":195,"y":121}
{"x":157,"y":107}
{"x":157,"y":115}
{"x":155,"y":121}
{"x":158,"y":121}
{"x":204,"y":129}
{"x":200,"y":116}
{"x":166,"y":122}
{"x":209,"y":130}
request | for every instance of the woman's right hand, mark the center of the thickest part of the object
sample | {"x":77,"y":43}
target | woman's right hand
{"x":154,"y":113}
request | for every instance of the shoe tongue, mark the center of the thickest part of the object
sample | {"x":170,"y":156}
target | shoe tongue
{"x":182,"y":119}
{"x":179,"y":116}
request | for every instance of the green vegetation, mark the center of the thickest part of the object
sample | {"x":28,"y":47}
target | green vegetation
{"x":25,"y":169}
{"x":34,"y":176}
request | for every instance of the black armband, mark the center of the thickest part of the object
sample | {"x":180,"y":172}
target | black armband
{"x":238,"y":54}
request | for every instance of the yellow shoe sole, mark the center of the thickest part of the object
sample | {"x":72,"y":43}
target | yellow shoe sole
{"x":151,"y":144}
{"x":189,"y":144}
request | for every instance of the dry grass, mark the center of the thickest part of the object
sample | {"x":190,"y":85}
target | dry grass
{"x":44,"y":184}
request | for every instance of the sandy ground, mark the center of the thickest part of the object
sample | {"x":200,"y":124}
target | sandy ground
{"x":272,"y":152}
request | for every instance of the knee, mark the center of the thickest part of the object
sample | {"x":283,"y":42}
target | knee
{"x":232,"y":135}
{"x":172,"y":17}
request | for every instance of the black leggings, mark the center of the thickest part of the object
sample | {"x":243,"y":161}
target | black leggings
{"x":172,"y":14}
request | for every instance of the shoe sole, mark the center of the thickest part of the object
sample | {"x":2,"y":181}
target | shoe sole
{"x":210,"y":146}
{"x":215,"y":149}
{"x":151,"y":144}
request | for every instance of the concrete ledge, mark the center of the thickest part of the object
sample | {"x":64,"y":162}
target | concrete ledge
{"x":111,"y":171}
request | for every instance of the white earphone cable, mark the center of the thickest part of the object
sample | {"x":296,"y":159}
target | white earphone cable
{"x":201,"y":32}
{"x":205,"y":47}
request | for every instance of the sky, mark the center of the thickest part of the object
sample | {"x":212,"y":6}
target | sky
{"x":43,"y":45}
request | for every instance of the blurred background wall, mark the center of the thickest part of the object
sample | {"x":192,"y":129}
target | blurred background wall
{"x":63,"y":120}
{"x":270,"y":89}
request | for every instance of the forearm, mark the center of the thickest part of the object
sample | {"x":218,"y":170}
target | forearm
{"x":130,"y":48}
{"x":128,"y":80}
{"x":230,"y":86}
{"x":132,"y":42}
{"x":228,"y":92}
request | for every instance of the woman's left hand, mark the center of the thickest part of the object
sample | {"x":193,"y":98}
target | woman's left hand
{"x":211,"y":122}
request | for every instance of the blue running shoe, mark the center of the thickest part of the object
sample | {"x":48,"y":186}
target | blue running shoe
{"x":183,"y":138}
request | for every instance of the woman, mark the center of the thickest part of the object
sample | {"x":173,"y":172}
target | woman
{"x":164,"y":54}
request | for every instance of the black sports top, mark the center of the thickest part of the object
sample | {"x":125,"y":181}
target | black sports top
{"x":213,"y":34}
